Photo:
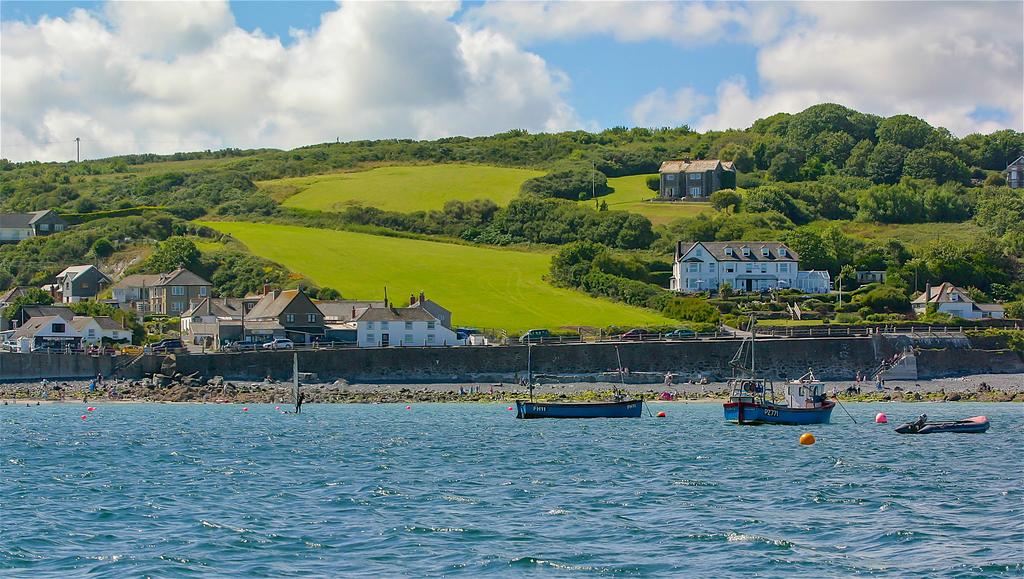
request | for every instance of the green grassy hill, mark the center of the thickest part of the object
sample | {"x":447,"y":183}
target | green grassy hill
{"x":403,"y":189}
{"x":631,"y":194}
{"x":484,"y":287}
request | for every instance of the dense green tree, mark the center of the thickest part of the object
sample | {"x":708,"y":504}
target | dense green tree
{"x":653,"y":182}
{"x":784,"y":167}
{"x":885,"y":299}
{"x":885,"y":163}
{"x":857,"y":163}
{"x":740,"y":156}
{"x":725,"y":198}
{"x":995,"y":151}
{"x":938,"y":166}
{"x":904,"y":130}
{"x":102,"y":247}
{"x":173,"y":253}
{"x":809,"y":245}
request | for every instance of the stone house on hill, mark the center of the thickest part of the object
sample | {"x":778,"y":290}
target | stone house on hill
{"x":169,"y":294}
{"x":695,"y":180}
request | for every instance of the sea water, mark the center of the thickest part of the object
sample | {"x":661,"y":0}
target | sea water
{"x":466,"y":489}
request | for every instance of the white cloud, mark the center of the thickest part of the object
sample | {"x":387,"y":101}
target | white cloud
{"x":684,"y":23}
{"x":659,"y":108}
{"x":943,"y":62}
{"x":185,"y":77}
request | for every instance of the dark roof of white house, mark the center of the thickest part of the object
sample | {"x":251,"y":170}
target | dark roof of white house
{"x":413,"y":314}
{"x":23,"y":220}
{"x":718,"y":250}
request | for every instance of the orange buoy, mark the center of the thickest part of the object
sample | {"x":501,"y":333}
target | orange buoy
{"x":807,"y":439}
{"x":661,"y":414}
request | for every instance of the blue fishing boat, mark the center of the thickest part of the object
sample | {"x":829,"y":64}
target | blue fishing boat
{"x":620,"y":407}
{"x":752,"y":400}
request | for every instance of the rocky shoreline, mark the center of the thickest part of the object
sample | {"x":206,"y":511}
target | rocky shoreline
{"x":977,"y":388}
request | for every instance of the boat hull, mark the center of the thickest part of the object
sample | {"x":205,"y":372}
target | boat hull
{"x":756,"y":413}
{"x":623,"y":409}
{"x":975,"y":425}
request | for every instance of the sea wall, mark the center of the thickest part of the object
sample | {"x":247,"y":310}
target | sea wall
{"x":944,"y":363}
{"x":831,"y":358}
{"x":37,"y":365}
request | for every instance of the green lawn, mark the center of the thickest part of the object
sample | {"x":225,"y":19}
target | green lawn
{"x":484,"y":287}
{"x":631,"y":194}
{"x":403,"y":189}
{"x":913,"y":235}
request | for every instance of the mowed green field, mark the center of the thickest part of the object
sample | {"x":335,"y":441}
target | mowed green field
{"x":483,"y":287}
{"x":403,"y":189}
{"x":631,"y":194}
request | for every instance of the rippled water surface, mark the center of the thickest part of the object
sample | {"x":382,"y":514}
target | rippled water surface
{"x":174,"y":490}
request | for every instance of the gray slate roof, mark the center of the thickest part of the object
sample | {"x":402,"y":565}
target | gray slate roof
{"x":273,"y":304}
{"x":717,"y":250}
{"x":413,"y":314}
{"x":21,"y":220}
{"x":341,"y":310}
{"x":698,"y":166}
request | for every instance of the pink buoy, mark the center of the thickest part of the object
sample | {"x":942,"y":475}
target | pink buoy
{"x":91,"y":408}
{"x":881,"y":418}
{"x":277,"y":408}
{"x":408,"y":407}
{"x":84,"y":417}
{"x":510,"y":408}
{"x":246,"y":409}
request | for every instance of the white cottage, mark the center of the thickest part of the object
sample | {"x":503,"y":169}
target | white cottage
{"x":950,"y":299}
{"x":412,"y":326}
{"x":744,"y":266}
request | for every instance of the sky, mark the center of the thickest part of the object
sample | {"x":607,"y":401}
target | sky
{"x":133,"y":77}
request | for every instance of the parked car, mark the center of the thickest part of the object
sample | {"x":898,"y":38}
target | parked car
{"x":637,"y":334}
{"x":680,"y":334}
{"x":167,"y":345}
{"x":534,"y":336}
{"x":279,"y":344}
{"x":242,"y":346}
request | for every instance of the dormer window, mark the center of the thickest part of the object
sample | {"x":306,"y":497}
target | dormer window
{"x":728,"y":251}
{"x":746,"y":252}
{"x":954,"y":297}
{"x":782,"y":251}
{"x":764,"y":251}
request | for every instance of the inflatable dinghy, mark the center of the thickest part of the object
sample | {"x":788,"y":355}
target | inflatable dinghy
{"x":976,"y":424}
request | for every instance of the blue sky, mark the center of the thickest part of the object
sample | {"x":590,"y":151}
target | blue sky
{"x":167,"y":75}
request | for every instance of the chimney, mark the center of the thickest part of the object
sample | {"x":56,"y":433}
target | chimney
{"x":422,"y":297}
{"x":927,"y":291}
{"x":412,"y":300}
{"x":266,"y":288}
{"x":353,"y":312}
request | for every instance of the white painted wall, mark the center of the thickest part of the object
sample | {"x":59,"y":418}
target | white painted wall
{"x":420,"y":333}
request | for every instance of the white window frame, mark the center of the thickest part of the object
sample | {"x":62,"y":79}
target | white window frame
{"x":764,"y":251}
{"x":430,"y":338}
{"x":371,"y":338}
{"x":693,"y":268}
{"x":177,"y":290}
{"x":289,"y":318}
{"x":431,"y":325}
{"x":408,"y":325}
{"x":311,"y":318}
{"x":746,"y":252}
{"x":694,"y":176}
{"x":203,"y":291}
{"x":177,"y":307}
{"x":696,"y":192}
{"x":408,"y":338}
{"x":782,"y":251}
{"x":670,"y":177}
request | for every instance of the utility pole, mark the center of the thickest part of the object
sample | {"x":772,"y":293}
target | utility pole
{"x":78,"y":150}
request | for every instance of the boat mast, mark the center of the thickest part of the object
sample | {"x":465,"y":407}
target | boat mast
{"x":622,"y":379}
{"x":753,"y":372}
{"x":295,"y":378}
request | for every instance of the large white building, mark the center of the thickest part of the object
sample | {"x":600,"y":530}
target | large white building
{"x":744,"y":265}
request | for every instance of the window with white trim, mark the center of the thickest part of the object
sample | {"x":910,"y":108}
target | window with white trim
{"x":750,"y":268}
{"x":430,"y":325}
{"x":695,"y":192}
{"x":693,"y":267}
{"x":694,"y":176}
{"x":408,"y":338}
{"x":289,"y":318}
{"x":670,"y":177}
{"x":783,"y":268}
{"x":311,"y":318}
{"x":430,"y":338}
{"x":782,"y":251}
{"x":746,"y":252}
{"x":203,"y":291}
{"x":177,"y":290}
{"x":711,"y":267}
{"x":177,"y":307}
{"x":371,"y":338}
{"x":408,"y":325}
{"x":764,"y":251}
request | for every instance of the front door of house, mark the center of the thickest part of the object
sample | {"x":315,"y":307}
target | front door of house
{"x":385,"y":340}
